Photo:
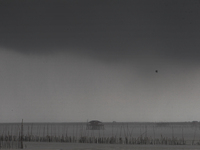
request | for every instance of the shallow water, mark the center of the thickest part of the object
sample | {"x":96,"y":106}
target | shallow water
{"x":79,"y":146}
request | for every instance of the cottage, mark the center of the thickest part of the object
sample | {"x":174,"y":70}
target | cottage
{"x":95,"y":125}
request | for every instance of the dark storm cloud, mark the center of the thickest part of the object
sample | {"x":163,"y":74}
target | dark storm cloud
{"x":109,"y":30}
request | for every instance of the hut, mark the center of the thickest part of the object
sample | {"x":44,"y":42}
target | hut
{"x":95,"y":125}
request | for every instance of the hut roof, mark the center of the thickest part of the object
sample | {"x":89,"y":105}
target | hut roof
{"x":95,"y":122}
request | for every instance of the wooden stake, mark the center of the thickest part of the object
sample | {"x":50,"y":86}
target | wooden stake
{"x":22,"y":134}
{"x":194,"y":135}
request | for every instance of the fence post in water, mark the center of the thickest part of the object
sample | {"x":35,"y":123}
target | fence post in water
{"x":145,"y":130}
{"x":153,"y":136}
{"x":120,"y":138}
{"x":183,"y":137}
{"x":112,"y":129}
{"x":172,"y":135}
{"x":146,"y":139}
{"x":31,"y":130}
{"x":22,"y":134}
{"x":76,"y":139}
{"x":73,"y":135}
{"x":194,"y":135}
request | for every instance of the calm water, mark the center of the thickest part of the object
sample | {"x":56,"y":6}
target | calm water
{"x":74,"y":146}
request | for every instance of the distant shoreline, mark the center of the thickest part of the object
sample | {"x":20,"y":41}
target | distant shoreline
{"x":105,"y":122}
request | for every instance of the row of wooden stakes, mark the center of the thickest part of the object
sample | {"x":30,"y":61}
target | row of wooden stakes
{"x":92,"y":139}
{"x":10,"y":144}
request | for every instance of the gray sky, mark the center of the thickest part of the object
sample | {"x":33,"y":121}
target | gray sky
{"x":76,"y":60}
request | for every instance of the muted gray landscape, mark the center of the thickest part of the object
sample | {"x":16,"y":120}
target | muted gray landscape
{"x":114,"y":61}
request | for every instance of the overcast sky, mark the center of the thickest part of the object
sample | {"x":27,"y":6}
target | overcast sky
{"x":75,"y":60}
